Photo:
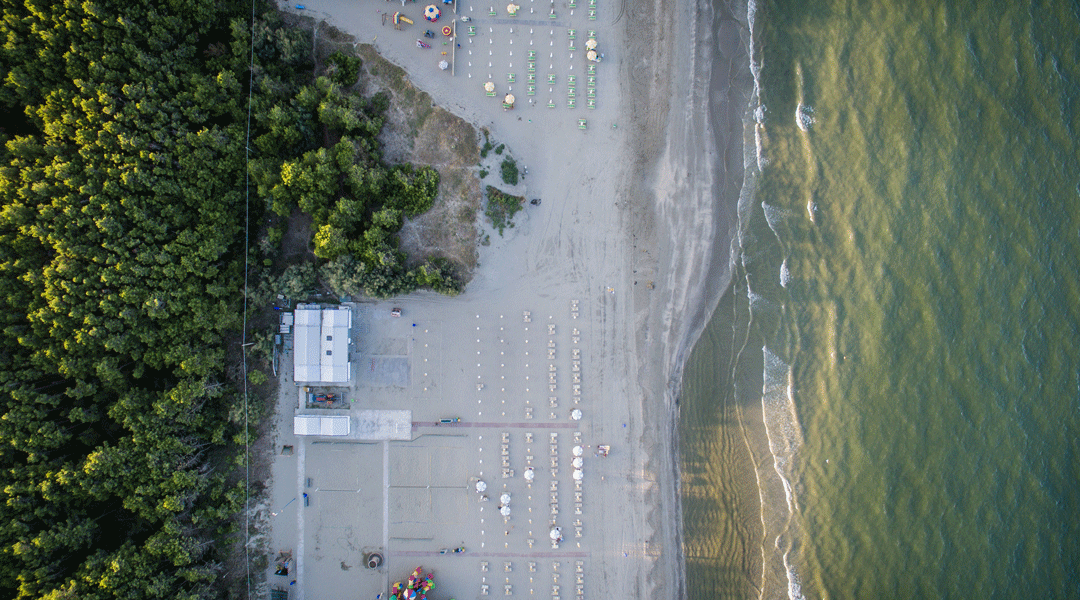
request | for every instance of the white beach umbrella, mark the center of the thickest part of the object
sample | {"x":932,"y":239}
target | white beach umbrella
{"x":578,"y":474}
{"x":591,"y":55}
{"x":505,"y":498}
{"x":590,"y":44}
{"x":577,"y":462}
{"x":444,"y":65}
{"x":578,"y":451}
{"x":509,"y":99}
{"x":575,"y":414}
{"x":504,"y":511}
{"x":529,"y":474}
{"x":555,"y":533}
{"x":489,"y":87}
{"x":512,"y":8}
{"x":480,"y":486}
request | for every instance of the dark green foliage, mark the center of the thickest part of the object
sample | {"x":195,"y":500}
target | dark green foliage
{"x":344,"y":70}
{"x":414,"y":190}
{"x":438,"y":274}
{"x":122,"y":169}
{"x":485,"y":149}
{"x":298,"y":281}
{"x":483,"y":173}
{"x":499,"y":149}
{"x":509,"y":171}
{"x":121,"y":253}
{"x":356,"y":203}
{"x":501,"y":208}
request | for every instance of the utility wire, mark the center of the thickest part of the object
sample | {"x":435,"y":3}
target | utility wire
{"x":243,"y":332}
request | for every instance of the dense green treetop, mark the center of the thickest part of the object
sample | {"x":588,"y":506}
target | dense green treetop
{"x":119,"y":230}
{"x":122,"y":215}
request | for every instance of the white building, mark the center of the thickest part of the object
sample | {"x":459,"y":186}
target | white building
{"x":323,"y":426}
{"x":321,"y":344}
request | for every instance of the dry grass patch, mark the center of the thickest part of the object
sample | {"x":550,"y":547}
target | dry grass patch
{"x":419,"y":132}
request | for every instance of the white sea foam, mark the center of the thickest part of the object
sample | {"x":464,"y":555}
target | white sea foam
{"x":759,"y":145}
{"x":784,"y":435}
{"x":804,"y":116}
{"x":782,"y":429}
{"x":794,"y":590}
{"x":781,"y":423}
{"x":758,"y":302}
{"x":773,"y":216}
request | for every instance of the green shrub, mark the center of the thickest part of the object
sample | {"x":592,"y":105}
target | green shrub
{"x":483,"y":173}
{"x":344,"y":70}
{"x":502,"y":207}
{"x":499,"y":149}
{"x":509,"y":171}
{"x":438,"y":274}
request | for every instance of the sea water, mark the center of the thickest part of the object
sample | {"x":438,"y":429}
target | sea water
{"x":887,"y":402}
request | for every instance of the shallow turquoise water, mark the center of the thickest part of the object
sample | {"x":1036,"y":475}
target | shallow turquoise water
{"x":910,"y":252}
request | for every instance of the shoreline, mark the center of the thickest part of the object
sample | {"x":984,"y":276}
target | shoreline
{"x":719,"y":83}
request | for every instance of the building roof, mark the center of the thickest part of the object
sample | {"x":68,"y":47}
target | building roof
{"x":321,"y":348}
{"x":315,"y":425}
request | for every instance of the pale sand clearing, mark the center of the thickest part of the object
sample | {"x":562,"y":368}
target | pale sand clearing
{"x":618,"y":269}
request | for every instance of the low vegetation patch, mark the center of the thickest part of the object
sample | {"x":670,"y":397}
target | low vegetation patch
{"x":509,"y":171}
{"x":501,"y":208}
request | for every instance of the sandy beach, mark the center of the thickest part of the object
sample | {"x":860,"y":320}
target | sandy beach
{"x":590,"y":303}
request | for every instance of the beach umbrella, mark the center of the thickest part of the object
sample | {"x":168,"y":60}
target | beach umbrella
{"x":509,"y":99}
{"x":505,"y":498}
{"x":578,"y":450}
{"x":591,"y":55}
{"x":578,"y":475}
{"x":444,"y":65}
{"x":590,"y":44}
{"x":489,"y":87}
{"x":529,"y":474}
{"x":555,"y":533}
{"x":446,"y":30}
{"x":480,"y":486}
{"x":512,"y":8}
{"x":577,"y":462}
{"x":432,"y":12}
{"x":504,"y":511}
{"x":575,"y":414}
